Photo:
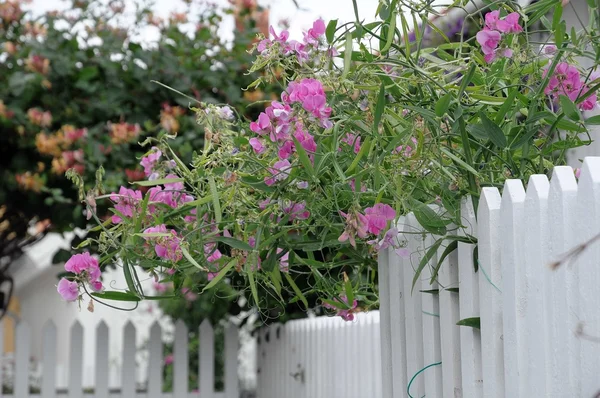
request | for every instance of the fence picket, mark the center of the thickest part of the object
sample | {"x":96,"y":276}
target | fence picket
{"x":490,"y":295}
{"x":470,"y":338}
{"x":511,"y":214}
{"x":413,"y":309}
{"x":385,"y":322}
{"x":128,"y":371}
{"x":587,"y":226}
{"x":232,"y":389}
{"x":101,"y":364}
{"x":76,"y":361}
{"x":535,"y":241}
{"x":206,"y":359}
{"x":48,"y":389}
{"x":432,"y":353}
{"x":562,"y":204}
{"x":397,"y":315}
{"x":155,"y":353}
{"x":450,"y":332}
{"x":180,"y":361}
{"x":22,"y":354}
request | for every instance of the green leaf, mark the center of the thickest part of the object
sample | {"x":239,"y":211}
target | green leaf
{"x":276,"y":279}
{"x":330,"y":31}
{"x":363,"y":150}
{"x":379,"y":109}
{"x":215,"y":199}
{"x":253,"y":287}
{"x":508,"y":103}
{"x":428,"y":256}
{"x":449,"y":249}
{"x":348,"y":289}
{"x":594,"y":120}
{"x":494,"y":132}
{"x":466,"y":80}
{"x":459,"y":161}
{"x":347,"y":54}
{"x":160,"y":181}
{"x":189,"y":257}
{"x":304,"y":159}
{"x":442,"y":105}
{"x":235,"y":243}
{"x":390,"y":34}
{"x":335,"y":304}
{"x":296,"y":289}
{"x":430,"y":220}
{"x":478,"y":131}
{"x":117,"y":296}
{"x":470,"y":322}
{"x":569,"y":108}
{"x":220,"y":275}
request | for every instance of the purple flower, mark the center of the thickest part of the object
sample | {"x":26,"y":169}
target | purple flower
{"x":69,"y":290}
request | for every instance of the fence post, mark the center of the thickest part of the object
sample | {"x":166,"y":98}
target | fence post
{"x":587,"y":224}
{"x":563,"y":290}
{"x":535,"y":260}
{"x":490,"y":295}
{"x":206,"y":359}
{"x":155,"y":354}
{"x":232,"y":389}
{"x":22,"y":353}
{"x":102,"y":345}
{"x":76,"y":361}
{"x":470,"y":338}
{"x":511,"y":216}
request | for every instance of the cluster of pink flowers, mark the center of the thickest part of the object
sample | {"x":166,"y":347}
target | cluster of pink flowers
{"x":167,"y":247}
{"x":566,"y":80}
{"x":490,"y":36}
{"x":87,"y":270}
{"x":280,"y":45}
{"x":407,"y":150}
{"x":346,"y":314}
{"x":372,"y":222}
{"x":149,"y":162}
{"x":39,"y":118}
{"x":282,"y":123}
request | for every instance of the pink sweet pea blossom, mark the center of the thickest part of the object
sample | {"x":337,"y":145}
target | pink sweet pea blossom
{"x":389,"y":240}
{"x":378,"y":216}
{"x":284,"y":265}
{"x":491,"y":19}
{"x":353,"y":140}
{"x":262,"y":125}
{"x":167,"y":247}
{"x":279,"y":172}
{"x":149,"y":161}
{"x":169,"y":359}
{"x":346,"y":314}
{"x":296,"y":211}
{"x":188,"y":294}
{"x":126,"y":202}
{"x":488,"y":39}
{"x":356,"y":225}
{"x":69,"y":290}
{"x":257,"y":145}
{"x":510,"y":24}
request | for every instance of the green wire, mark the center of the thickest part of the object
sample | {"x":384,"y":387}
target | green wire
{"x":487,"y":277}
{"x":416,"y":374}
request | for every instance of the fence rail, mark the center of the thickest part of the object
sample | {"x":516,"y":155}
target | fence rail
{"x":538,"y":326}
{"x":321,"y":357}
{"x":20,"y":381}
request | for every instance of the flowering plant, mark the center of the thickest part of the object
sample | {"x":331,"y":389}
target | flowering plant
{"x":370,"y":126}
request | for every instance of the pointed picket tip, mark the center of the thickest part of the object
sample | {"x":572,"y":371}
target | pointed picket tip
{"x":538,"y":187}
{"x":206,"y":327}
{"x":513,"y":192}
{"x":49,"y":326}
{"x":563,"y":179}
{"x":102,"y":326}
{"x":129,"y":328}
{"x":590,"y":171}
{"x":77,"y":327}
{"x":489,"y":201}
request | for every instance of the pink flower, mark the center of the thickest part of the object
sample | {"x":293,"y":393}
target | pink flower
{"x":403,"y":252}
{"x":149,"y":161}
{"x":549,"y":49}
{"x":577,"y":172}
{"x":188,"y":294}
{"x":352,"y":184}
{"x":491,"y":19}
{"x":488,"y":39}
{"x":69,"y":290}
{"x":590,"y":102}
{"x":510,"y":24}
{"x":286,"y":150}
{"x":356,"y":225}
{"x":169,"y":359}
{"x":313,"y":34}
{"x":352,"y":140}
{"x":389,"y":240}
{"x":257,"y":146}
{"x":212,"y":253}
{"x":378,"y":216}
{"x":167,"y":247}
{"x":279,"y":172}
{"x":284,"y":265}
{"x":262,"y":125}
{"x":173,"y":186}
{"x":306,"y":140}
{"x":125,"y":202}
{"x":79,"y":263}
{"x":346,"y":314}
{"x":296,"y":211}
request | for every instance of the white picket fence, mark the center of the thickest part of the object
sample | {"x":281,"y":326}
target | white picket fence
{"x":540,"y":328}
{"x":23,"y":374}
{"x":323,"y":357}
